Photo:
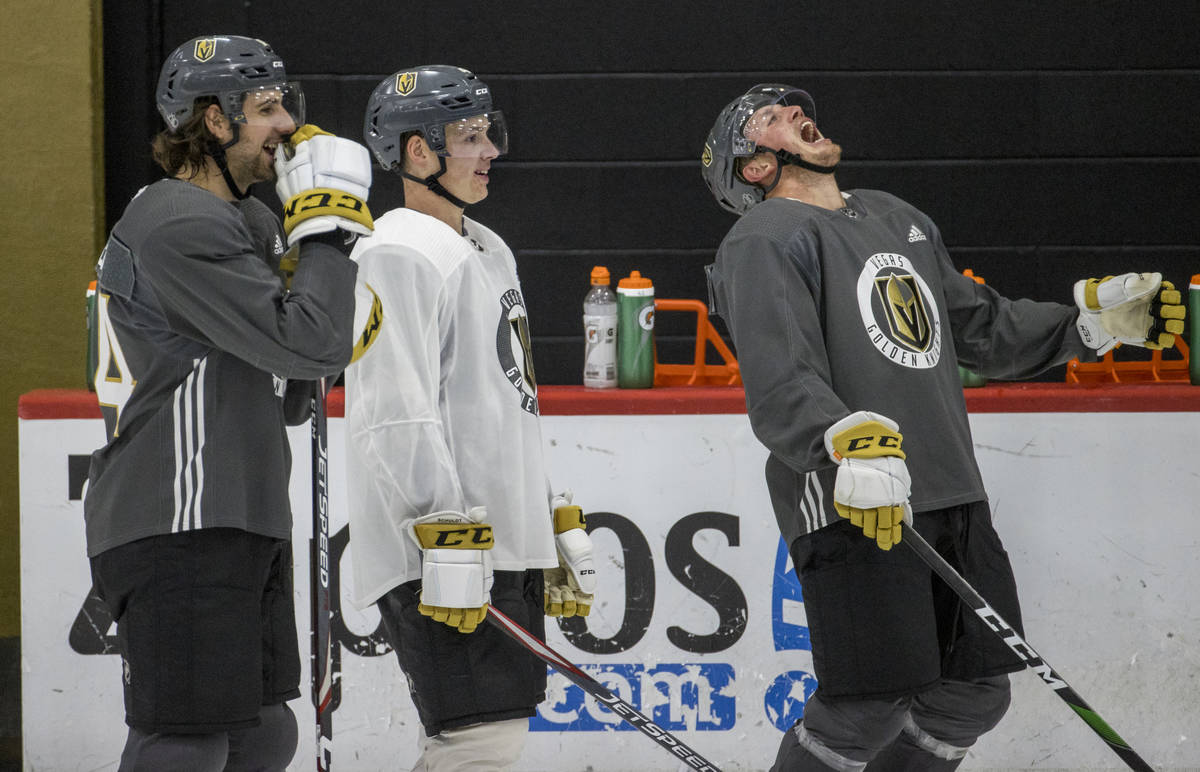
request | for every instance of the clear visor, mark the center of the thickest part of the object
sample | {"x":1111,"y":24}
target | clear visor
{"x":475,"y":137}
{"x":758,"y":121}
{"x":278,"y":103}
{"x":763,"y":107}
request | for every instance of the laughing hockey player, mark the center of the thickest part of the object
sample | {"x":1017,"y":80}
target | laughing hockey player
{"x":444,"y":448}
{"x":188,"y":520}
{"x":850,"y":320}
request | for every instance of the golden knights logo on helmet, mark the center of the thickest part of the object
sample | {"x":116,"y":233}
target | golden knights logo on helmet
{"x":205,"y":48}
{"x":405,"y":83}
{"x":706,"y":156}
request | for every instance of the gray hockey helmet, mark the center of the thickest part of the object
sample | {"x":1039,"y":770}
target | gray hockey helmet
{"x":726,"y":143}
{"x":226,"y":67}
{"x":428,"y":99}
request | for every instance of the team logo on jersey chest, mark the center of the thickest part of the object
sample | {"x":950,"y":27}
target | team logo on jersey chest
{"x":899,"y":311}
{"x":514,"y":351}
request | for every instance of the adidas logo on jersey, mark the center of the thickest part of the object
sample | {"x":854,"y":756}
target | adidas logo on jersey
{"x":914,"y":235}
{"x":278,"y":245}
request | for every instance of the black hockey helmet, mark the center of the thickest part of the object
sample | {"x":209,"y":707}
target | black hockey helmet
{"x":726,"y":143}
{"x":226,"y":67}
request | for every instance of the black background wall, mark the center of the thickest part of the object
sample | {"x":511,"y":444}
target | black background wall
{"x":1049,"y":140}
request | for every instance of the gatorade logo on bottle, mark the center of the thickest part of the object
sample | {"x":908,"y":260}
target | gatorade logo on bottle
{"x":646,"y":318}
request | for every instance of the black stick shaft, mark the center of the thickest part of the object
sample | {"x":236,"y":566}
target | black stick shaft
{"x":319,"y":571}
{"x":1031,"y":658}
{"x":627,"y":712}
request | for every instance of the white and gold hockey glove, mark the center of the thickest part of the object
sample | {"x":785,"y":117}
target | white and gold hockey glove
{"x":570,"y":588}
{"x":872,"y":484}
{"x":456,"y":566}
{"x":323,"y":182}
{"x":1136,"y":308}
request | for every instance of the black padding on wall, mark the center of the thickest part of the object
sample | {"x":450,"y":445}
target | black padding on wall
{"x":664,"y":116}
{"x":360,"y":36}
{"x":1002,"y":202}
{"x":1048,"y":142}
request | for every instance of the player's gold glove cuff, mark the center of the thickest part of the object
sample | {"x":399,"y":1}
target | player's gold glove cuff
{"x":327,"y":202}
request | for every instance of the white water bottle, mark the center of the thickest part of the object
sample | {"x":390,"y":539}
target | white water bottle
{"x":600,"y":333}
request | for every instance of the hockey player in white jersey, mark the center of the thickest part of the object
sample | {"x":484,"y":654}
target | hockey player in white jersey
{"x":445,"y":463}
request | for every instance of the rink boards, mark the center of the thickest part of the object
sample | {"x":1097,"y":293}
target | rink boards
{"x":699,"y":621}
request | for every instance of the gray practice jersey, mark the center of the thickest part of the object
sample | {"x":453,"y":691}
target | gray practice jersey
{"x":197,"y":337}
{"x":835,"y":311}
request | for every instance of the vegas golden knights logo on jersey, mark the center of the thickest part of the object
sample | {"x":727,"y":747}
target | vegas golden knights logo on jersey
{"x":905,"y":310}
{"x":513,"y":347}
{"x":899,"y":311}
{"x":405,"y":83}
{"x":205,"y":49}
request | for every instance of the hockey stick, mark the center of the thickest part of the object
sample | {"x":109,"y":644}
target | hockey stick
{"x":1032,"y":659}
{"x":321,"y":664}
{"x":627,"y":712}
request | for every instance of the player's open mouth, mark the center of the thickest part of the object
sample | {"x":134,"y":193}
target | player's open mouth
{"x":809,"y":133}
{"x":270,"y":150}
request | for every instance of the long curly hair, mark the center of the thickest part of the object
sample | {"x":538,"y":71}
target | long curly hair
{"x":185,"y":149}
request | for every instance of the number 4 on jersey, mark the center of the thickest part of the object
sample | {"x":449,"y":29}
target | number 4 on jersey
{"x":113,"y":379}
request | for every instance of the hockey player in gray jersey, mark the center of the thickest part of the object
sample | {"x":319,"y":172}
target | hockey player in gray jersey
{"x":850,"y":321}
{"x":444,"y":448}
{"x":204,"y":354}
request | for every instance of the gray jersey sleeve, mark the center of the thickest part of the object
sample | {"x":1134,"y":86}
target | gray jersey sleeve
{"x":771,"y":299}
{"x":1002,"y":338}
{"x":214,"y":288}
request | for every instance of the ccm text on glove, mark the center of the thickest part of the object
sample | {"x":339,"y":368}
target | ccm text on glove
{"x":872,"y":484}
{"x":456,"y":566}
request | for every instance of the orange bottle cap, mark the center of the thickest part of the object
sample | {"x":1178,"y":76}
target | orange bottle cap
{"x":600,"y":275}
{"x":635,"y":280}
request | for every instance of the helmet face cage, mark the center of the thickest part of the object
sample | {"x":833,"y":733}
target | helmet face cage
{"x":227,"y":67}
{"x":446,"y":104}
{"x":726,"y":144}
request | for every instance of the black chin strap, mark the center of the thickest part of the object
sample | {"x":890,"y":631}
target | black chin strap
{"x":783,"y":157}
{"x":432,"y":183}
{"x":786,"y":157}
{"x":217,"y":151}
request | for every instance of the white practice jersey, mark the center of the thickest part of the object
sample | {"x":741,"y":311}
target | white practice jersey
{"x":442,"y":410}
